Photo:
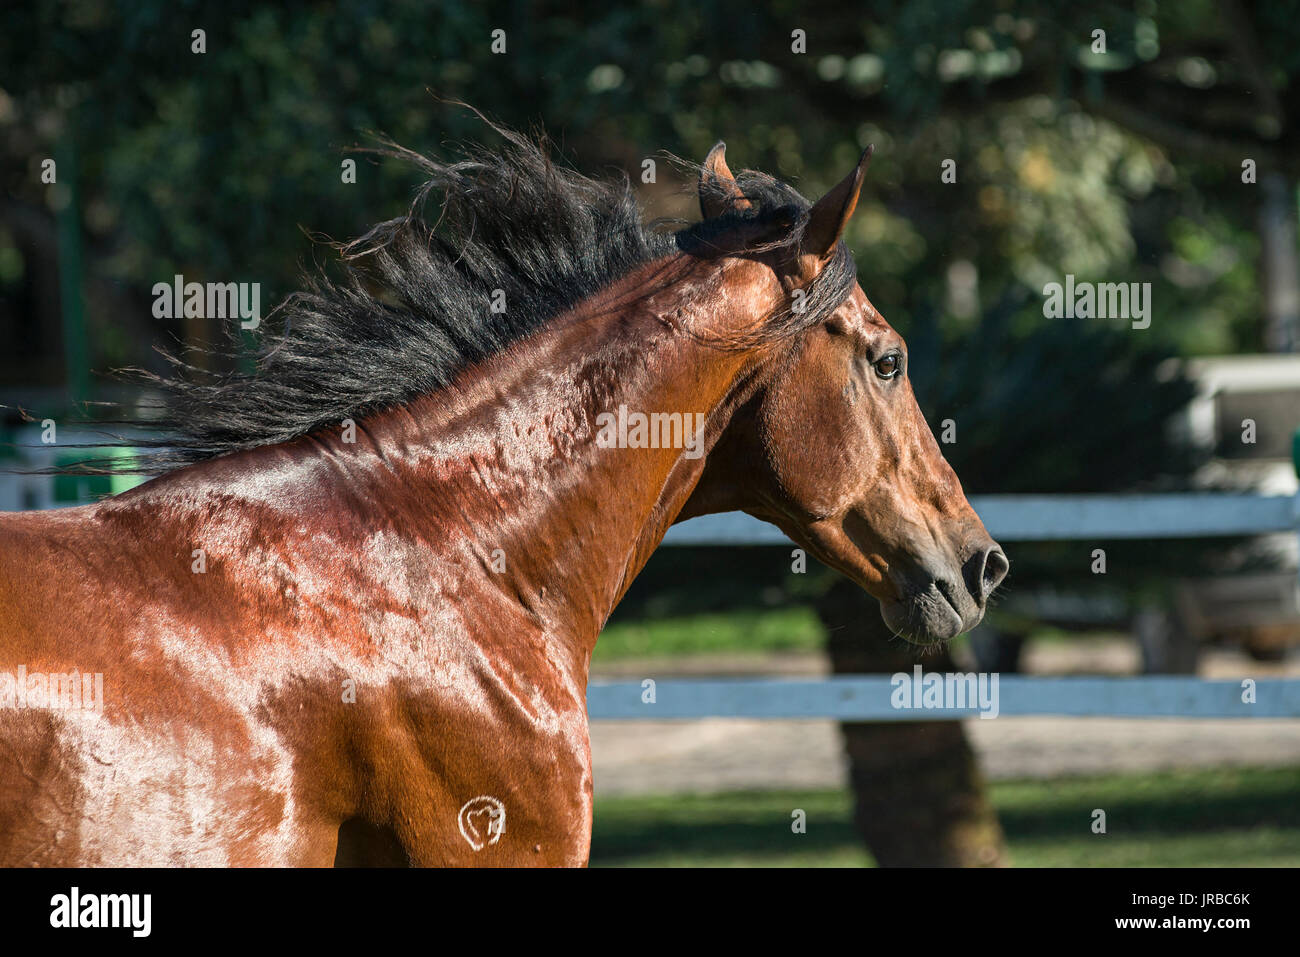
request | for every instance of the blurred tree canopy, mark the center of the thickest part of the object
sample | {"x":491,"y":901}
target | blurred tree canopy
{"x":1122,"y":165}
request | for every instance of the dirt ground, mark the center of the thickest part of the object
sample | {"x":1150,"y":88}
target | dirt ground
{"x":720,"y":754}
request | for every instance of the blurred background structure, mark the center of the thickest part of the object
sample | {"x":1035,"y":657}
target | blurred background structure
{"x":1016,"y":143}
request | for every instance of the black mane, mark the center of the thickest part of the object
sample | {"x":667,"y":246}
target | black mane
{"x":411,"y":307}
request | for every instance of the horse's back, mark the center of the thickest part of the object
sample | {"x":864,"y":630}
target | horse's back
{"x":47,"y":644}
{"x":43,"y":557}
{"x":79,"y":679}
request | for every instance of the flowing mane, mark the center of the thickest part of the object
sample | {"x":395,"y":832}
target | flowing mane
{"x":409,"y":303}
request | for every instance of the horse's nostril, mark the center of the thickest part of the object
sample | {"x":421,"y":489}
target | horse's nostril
{"x":996,"y":567}
{"x":985,"y":571}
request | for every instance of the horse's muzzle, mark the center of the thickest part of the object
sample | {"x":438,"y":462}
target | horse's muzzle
{"x":935,"y":607}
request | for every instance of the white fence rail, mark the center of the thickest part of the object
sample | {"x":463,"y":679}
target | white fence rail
{"x":1054,"y":518}
{"x":1009,"y":518}
{"x":869,"y":698}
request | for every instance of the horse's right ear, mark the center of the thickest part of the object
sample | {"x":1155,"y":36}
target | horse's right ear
{"x":719,"y":192}
{"x":830,"y":215}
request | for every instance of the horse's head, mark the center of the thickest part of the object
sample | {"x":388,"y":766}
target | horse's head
{"x":831,"y":446}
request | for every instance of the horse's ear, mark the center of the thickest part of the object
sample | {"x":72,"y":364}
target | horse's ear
{"x":830,"y":214}
{"x":719,"y":192}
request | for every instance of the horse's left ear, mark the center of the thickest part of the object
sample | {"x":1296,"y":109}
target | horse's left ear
{"x":719,"y":192}
{"x":829,"y":215}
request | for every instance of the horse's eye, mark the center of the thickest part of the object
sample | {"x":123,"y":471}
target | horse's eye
{"x":888,"y":366}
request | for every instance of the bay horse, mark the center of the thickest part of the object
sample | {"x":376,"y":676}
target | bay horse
{"x":351,"y":619}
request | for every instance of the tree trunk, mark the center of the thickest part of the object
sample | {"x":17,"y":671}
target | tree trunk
{"x":920,"y":798}
{"x":1279,"y":263}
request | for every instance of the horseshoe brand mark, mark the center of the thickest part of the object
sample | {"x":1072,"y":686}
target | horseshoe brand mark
{"x":482,"y":821}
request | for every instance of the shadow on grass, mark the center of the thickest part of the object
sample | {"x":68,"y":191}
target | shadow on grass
{"x":748,"y":824}
{"x":1161,"y":808}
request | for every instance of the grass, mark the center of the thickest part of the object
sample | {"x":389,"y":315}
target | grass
{"x":780,"y":629}
{"x":791,"y":628}
{"x":1203,"y":818}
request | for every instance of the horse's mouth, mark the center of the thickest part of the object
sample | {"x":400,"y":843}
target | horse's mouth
{"x":927,"y":616}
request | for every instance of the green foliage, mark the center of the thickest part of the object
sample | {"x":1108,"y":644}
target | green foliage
{"x":209,"y":164}
{"x":1051,"y":405}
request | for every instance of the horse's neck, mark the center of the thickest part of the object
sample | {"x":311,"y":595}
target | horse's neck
{"x":500,"y":479}
{"x":520,"y":475}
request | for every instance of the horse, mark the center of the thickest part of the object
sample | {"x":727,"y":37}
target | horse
{"x":350,"y":618}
